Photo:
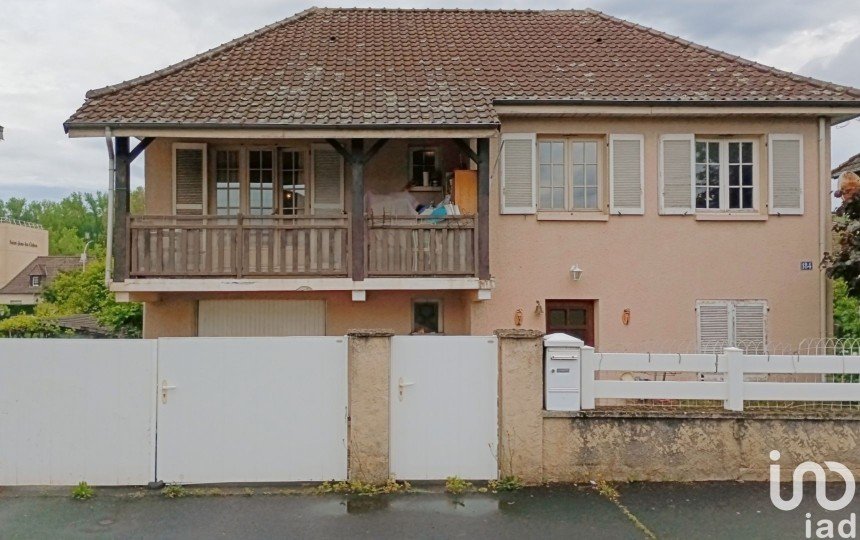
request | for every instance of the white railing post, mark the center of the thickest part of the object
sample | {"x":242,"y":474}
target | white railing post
{"x":734,"y":359}
{"x":587,"y":377}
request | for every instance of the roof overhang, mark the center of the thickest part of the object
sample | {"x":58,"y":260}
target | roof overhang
{"x":838,"y":112}
{"x":214,"y":131}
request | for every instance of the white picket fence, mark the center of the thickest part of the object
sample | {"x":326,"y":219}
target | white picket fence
{"x":733,"y":390}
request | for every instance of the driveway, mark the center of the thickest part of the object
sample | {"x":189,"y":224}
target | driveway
{"x":704,"y":510}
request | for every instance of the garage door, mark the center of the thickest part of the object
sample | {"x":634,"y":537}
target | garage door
{"x":261,"y":318}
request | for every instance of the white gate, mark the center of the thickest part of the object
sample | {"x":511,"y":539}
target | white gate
{"x":77,"y":409}
{"x":252,"y":409}
{"x":444,"y":403}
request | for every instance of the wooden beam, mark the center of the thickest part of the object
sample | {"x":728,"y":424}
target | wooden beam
{"x":140,"y":147}
{"x":358,"y":225}
{"x":483,"y":208}
{"x":341,"y":149}
{"x":466,"y":149}
{"x":121,"y":203}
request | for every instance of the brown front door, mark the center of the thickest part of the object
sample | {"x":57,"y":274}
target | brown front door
{"x":572,"y":317}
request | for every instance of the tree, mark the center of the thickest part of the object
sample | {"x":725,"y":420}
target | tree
{"x":28,"y":326}
{"x":844,"y":261}
{"x":84,"y":291}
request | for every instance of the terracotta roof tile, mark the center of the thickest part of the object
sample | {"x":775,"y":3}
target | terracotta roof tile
{"x":852,"y":164}
{"x":342,"y":67}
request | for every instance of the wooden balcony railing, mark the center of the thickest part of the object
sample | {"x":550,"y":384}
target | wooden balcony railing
{"x":211,"y":246}
{"x":421,"y":246}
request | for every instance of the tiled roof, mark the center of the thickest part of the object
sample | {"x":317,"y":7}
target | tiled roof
{"x":46,"y":267}
{"x":351,"y":67}
{"x":83,"y":323}
{"x":852,"y":164}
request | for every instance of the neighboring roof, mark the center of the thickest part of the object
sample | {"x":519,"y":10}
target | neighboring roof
{"x":391,"y":67}
{"x":47,"y":267}
{"x":852,"y":164}
{"x":83,"y":323}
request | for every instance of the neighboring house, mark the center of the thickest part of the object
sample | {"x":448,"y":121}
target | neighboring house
{"x":851,"y":164}
{"x":26,"y":287}
{"x":20,"y":243}
{"x":614,"y":182}
{"x":84,"y":325}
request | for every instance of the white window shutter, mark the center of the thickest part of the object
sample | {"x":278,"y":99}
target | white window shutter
{"x":328,"y":179}
{"x":626,"y":174}
{"x":785,"y":174}
{"x":518,"y":173}
{"x":750,"y":326}
{"x":677,"y":173}
{"x":189,"y":179}
{"x":714,"y":326}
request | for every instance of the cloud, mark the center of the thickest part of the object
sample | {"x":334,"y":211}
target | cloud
{"x":53,"y":51}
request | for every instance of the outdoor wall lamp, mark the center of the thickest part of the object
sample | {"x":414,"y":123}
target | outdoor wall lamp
{"x":575,"y":272}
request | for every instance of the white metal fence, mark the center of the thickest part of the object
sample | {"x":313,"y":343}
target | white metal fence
{"x":731,"y":377}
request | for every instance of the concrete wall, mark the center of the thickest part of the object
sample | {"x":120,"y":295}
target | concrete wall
{"x":658,"y":266}
{"x":541,"y":446}
{"x":19,"y":245}
{"x":176,"y":314}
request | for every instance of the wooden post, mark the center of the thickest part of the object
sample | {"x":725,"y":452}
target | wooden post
{"x":357,"y":218}
{"x":121,"y":203}
{"x":483,"y":227}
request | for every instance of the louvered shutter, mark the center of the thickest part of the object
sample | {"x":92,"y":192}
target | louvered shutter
{"x":518,"y":173}
{"x":677,"y":171}
{"x":189,"y":179}
{"x":750,"y":326}
{"x":714,"y":324}
{"x":785,"y":168}
{"x":626,"y":174}
{"x":328,"y":179}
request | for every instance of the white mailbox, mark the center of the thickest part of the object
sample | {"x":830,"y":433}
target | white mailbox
{"x":562,"y":360}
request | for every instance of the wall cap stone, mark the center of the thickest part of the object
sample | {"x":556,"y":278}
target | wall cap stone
{"x":631,"y":414}
{"x":362,"y":332}
{"x":518,"y":333}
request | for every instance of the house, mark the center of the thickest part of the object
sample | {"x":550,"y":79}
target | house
{"x":25,"y":288}
{"x":851,"y":164}
{"x":21,"y":242}
{"x":606,"y":180}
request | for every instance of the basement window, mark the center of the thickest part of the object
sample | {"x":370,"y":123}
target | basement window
{"x":427,"y":317}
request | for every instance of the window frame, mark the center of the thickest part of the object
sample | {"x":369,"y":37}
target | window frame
{"x":440,"y":310}
{"x":38,"y":280}
{"x":568,"y":164}
{"x":308,"y":179}
{"x":247,"y":174}
{"x":724,"y":165}
{"x":438,"y":162}
{"x":731,"y":307}
{"x":213,"y":179}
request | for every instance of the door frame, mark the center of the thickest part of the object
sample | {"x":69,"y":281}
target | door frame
{"x":591,"y":309}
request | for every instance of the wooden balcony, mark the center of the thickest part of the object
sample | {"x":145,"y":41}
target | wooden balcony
{"x":298,"y":246}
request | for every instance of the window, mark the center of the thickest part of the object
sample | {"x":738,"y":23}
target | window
{"x":732,"y":323}
{"x":261,"y":187}
{"x":725,"y":173}
{"x":293,"y":188}
{"x":427,"y":317}
{"x":424,"y":162}
{"x":569,"y":175}
{"x":35,"y":281}
{"x":227,"y":182}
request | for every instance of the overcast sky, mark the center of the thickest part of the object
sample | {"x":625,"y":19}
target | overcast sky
{"x":53,"y":51}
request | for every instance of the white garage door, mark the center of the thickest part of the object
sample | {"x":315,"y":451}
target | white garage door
{"x":261,"y":318}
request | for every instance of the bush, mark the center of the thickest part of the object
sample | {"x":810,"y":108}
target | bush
{"x":28,"y":326}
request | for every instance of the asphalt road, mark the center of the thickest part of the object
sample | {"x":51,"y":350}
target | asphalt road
{"x":704,"y":510}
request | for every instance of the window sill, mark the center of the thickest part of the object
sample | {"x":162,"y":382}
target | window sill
{"x":727,"y":216}
{"x":572,"y":216}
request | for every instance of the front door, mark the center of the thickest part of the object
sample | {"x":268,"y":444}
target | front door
{"x":572,"y":317}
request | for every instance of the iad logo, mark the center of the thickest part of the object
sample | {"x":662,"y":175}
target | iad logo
{"x":825,"y":528}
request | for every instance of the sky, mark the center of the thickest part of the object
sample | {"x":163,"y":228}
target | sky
{"x":53,"y":51}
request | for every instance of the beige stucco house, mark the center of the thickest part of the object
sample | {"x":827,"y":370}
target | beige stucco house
{"x":21,"y":243}
{"x":601,"y":178}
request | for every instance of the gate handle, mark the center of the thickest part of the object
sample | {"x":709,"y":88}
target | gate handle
{"x":401,"y":384}
{"x":164,"y":388}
